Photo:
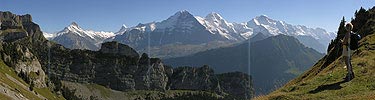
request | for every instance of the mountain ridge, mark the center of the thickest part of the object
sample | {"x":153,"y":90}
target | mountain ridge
{"x":74,"y":37}
{"x":215,"y":28}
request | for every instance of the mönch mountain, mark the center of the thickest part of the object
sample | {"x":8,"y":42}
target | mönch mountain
{"x":33,"y":67}
{"x":325,"y":80}
{"x":272,"y":61}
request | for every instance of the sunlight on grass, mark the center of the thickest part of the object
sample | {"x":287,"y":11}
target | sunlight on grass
{"x":329,"y":84}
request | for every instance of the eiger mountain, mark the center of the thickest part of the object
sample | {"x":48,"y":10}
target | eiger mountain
{"x":74,"y":37}
{"x":274,"y":60}
{"x":182,"y":34}
{"x":182,"y":27}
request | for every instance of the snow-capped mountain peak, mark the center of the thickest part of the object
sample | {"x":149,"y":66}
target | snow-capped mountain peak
{"x":264,"y":24}
{"x":263,"y":19}
{"x":182,"y":12}
{"x":181,"y":18}
{"x":73,"y":27}
{"x":48,"y":35}
{"x":122,"y":29}
{"x":73,"y":36}
{"x":124,"y":26}
{"x":218,"y":25}
{"x":263,"y":16}
{"x":213,"y":27}
{"x":179,"y":15}
{"x":73,"y":24}
{"x":214,"y":16}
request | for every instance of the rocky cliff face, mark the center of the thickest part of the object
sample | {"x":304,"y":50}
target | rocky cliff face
{"x":115,"y":65}
{"x":131,"y":72}
{"x":25,"y":63}
{"x":15,"y":29}
{"x":236,"y":84}
{"x":194,"y":78}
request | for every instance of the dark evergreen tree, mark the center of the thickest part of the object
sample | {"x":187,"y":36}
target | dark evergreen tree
{"x":341,"y":29}
{"x":361,"y":18}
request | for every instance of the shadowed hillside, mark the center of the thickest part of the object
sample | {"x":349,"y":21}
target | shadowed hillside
{"x":272,"y":61}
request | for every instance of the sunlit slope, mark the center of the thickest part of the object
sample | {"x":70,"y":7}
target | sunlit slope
{"x":13,"y":87}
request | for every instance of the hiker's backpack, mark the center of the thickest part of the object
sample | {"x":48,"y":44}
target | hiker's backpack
{"x":354,"y":38}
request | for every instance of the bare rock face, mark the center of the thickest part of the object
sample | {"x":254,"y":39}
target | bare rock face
{"x":12,"y":27}
{"x":118,"y":49}
{"x":236,"y":84}
{"x":25,"y":63}
{"x":5,"y":36}
{"x":17,"y":55}
{"x":151,"y":74}
{"x":29,"y":64}
{"x":202,"y":78}
{"x":10,"y":21}
{"x":26,"y":18}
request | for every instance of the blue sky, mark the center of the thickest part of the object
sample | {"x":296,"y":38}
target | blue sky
{"x":109,"y":15}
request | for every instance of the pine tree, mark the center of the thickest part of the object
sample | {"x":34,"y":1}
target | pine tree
{"x":360,"y":19}
{"x":341,"y":29}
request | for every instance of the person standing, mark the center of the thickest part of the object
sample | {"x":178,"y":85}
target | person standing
{"x":346,"y":52}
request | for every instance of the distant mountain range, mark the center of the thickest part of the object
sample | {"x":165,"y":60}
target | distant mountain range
{"x":185,"y":36}
{"x":272,"y":61}
{"x":74,"y":37}
{"x":32,"y":67}
{"x":192,"y":33}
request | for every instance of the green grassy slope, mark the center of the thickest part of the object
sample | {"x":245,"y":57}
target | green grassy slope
{"x":328,"y":83}
{"x":13,"y":87}
{"x":325,"y":79}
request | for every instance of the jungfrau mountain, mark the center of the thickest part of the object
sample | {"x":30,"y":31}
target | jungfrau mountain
{"x":74,"y":37}
{"x":316,"y":38}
